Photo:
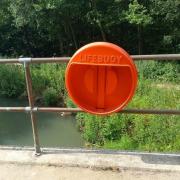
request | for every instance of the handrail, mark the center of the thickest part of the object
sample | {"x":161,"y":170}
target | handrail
{"x":162,"y":57}
{"x":75,"y":110}
{"x":32,"y":109}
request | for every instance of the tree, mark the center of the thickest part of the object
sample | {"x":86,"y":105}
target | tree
{"x":137,"y":14}
{"x":59,"y":27}
{"x":166,"y":15}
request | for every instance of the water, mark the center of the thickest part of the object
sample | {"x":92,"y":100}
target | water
{"x":54,"y":130}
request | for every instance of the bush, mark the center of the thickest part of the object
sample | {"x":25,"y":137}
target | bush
{"x":159,"y":71}
{"x":157,"y":133}
{"x":43,"y":76}
{"x":140,"y":132}
{"x":48,"y":75}
{"x":12,"y":82}
{"x":70,"y":103}
{"x":50,"y":97}
{"x":99,"y":129}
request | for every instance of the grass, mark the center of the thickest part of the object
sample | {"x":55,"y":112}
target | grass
{"x":157,"y":133}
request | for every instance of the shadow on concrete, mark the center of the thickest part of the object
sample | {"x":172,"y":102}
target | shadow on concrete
{"x":148,"y":158}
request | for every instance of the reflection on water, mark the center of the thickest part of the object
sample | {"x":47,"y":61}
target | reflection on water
{"x":54,"y":130}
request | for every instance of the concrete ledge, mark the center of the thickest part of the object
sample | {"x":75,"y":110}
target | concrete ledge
{"x":94,"y":159}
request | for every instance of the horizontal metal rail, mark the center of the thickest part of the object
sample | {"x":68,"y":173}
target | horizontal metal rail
{"x":75,"y":110}
{"x":170,"y":57}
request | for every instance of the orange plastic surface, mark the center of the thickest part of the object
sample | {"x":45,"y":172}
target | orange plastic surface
{"x":101,"y":78}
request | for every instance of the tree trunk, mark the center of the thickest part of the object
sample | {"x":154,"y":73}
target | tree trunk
{"x":139,"y":39}
{"x":27,"y":42}
{"x":73,"y":36}
{"x":103,"y":35}
{"x":61,"y":47}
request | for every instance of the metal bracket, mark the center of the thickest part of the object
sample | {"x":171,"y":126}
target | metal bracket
{"x":28,"y":109}
{"x":25,"y":61}
{"x":8,"y":109}
{"x":35,"y":109}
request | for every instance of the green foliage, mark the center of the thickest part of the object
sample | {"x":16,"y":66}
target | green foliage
{"x":125,"y":143}
{"x":157,"y":133}
{"x":149,"y":133}
{"x":137,"y":14}
{"x":97,"y":129}
{"x":48,"y":75}
{"x":132,"y":132}
{"x":69,"y":103}
{"x":12,"y":82}
{"x":59,"y":27}
{"x":22,"y":18}
{"x":50,"y":97}
{"x":47,"y":80}
{"x":140,"y":132}
{"x":160,"y":71}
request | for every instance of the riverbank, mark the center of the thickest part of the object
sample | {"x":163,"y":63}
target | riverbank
{"x":47,"y":82}
{"x":144,"y":132}
{"x":152,"y":133}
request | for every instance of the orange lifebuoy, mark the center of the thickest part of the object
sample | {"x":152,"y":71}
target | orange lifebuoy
{"x":101,"y":78}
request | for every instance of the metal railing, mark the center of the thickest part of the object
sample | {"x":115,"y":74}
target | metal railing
{"x":32,"y":109}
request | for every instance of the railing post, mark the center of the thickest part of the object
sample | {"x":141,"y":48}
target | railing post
{"x":31,"y":104}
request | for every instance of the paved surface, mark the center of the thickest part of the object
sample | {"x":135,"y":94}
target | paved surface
{"x":30,"y":172}
{"x":83,"y":164}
